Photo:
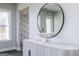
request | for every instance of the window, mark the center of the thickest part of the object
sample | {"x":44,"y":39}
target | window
{"x":4,"y":25}
{"x":48,"y":25}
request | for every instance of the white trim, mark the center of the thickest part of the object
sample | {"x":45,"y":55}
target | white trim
{"x":18,"y":49}
{"x":18,"y":21}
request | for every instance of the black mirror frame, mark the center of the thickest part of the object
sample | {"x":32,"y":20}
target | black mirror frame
{"x":62,"y":21}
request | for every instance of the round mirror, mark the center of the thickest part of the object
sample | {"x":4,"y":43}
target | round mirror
{"x":50,"y":19}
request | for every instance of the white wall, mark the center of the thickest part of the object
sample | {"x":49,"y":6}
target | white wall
{"x":70,"y":31}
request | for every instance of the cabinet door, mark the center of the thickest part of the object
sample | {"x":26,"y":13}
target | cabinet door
{"x":32,"y":49}
{"x":29,"y":49}
{"x":39,"y":50}
{"x":25,"y":48}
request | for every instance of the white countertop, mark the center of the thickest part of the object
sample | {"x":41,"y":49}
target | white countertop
{"x":55,"y":45}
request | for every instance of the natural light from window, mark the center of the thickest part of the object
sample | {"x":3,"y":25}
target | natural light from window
{"x":4,"y":25}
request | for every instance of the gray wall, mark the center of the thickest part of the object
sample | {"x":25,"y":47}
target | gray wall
{"x":11,"y":43}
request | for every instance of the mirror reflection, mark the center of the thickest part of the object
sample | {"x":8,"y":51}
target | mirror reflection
{"x":50,"y":19}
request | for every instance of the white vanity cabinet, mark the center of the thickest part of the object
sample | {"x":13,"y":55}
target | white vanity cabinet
{"x":35,"y":48}
{"x":32,"y":49}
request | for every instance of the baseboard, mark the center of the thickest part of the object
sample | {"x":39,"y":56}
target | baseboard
{"x":6,"y":49}
{"x":18,"y":49}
